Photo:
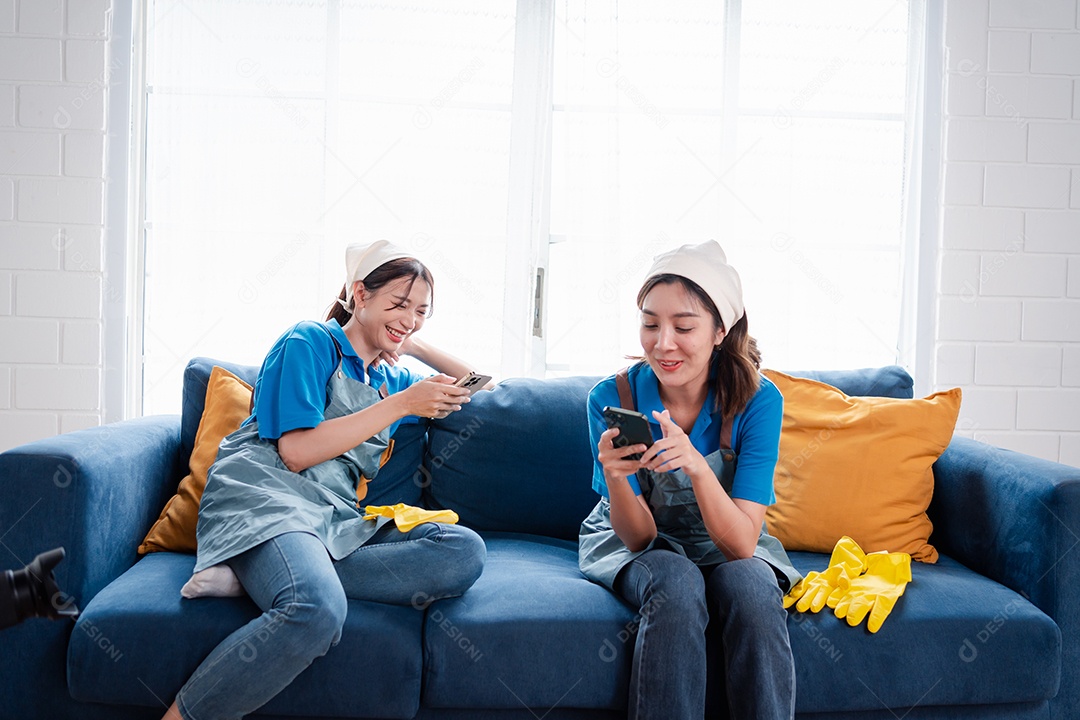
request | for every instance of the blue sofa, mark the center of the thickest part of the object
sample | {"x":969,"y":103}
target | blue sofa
{"x":991,"y":631}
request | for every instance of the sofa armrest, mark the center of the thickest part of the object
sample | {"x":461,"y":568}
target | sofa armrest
{"x":1016,"y":519}
{"x":95,"y":492}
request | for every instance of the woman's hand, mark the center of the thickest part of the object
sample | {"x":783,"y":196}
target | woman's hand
{"x":432,"y":397}
{"x":391,"y":358}
{"x":614,"y":459}
{"x":631,"y":518}
{"x":677,"y":450}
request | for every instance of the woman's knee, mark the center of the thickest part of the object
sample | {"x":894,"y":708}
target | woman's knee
{"x":314,"y":606}
{"x":466,"y":554}
{"x":319,"y":619}
{"x":659,"y":578}
{"x":745,"y":588}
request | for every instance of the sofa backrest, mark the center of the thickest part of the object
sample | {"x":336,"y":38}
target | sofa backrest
{"x":891,"y":381}
{"x":518,"y":458}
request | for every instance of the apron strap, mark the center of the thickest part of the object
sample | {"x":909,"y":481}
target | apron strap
{"x":341,"y":359}
{"x":725,"y":432}
{"x":626,"y":396}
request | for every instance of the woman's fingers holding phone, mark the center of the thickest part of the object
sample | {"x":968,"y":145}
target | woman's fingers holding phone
{"x":436,"y":396}
{"x":616,"y":458}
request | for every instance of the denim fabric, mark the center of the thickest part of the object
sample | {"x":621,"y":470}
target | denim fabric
{"x":669,"y":672}
{"x":748,"y":665}
{"x":751,"y":669}
{"x":292,"y":580}
{"x":302,"y":594}
{"x":430,"y":562}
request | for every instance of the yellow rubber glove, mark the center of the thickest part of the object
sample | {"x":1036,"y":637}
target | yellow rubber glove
{"x":406,"y":517}
{"x":813,"y":591}
{"x":876,"y":592}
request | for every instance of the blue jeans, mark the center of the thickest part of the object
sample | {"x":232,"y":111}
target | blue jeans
{"x":302,"y":593}
{"x":707,"y":629}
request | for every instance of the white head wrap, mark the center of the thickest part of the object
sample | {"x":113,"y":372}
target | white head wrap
{"x":361,"y":259}
{"x":707,"y":265}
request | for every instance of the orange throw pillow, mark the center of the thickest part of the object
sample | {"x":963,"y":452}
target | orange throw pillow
{"x":857,"y":466}
{"x":228,"y":399}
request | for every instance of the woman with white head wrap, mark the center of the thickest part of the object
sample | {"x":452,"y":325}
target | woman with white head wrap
{"x":282,"y":509}
{"x":679,"y":530}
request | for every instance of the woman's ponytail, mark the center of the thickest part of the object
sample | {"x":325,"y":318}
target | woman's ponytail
{"x":736,"y":362}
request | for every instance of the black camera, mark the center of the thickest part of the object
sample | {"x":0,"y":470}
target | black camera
{"x":32,"y":592}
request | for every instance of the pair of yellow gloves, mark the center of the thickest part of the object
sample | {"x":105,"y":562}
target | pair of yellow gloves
{"x":855,"y":584}
{"x":406,"y":517}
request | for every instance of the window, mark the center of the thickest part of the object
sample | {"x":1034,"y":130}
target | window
{"x":504,"y":141}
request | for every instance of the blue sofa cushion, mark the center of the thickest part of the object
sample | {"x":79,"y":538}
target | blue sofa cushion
{"x":954,"y":638}
{"x":400,"y":480}
{"x":531,"y":633}
{"x":115,"y":654}
{"x":516,"y":458}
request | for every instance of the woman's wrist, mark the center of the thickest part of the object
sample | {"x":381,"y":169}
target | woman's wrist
{"x":613,"y":477}
{"x":398,"y":405}
{"x":418,"y":349}
{"x":700,"y":471}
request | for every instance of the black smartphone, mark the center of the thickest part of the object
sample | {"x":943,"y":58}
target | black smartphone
{"x":633,"y":428}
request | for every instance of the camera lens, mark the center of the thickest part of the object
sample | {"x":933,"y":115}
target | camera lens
{"x":32,"y":592}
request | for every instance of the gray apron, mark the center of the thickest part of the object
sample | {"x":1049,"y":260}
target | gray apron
{"x":251,"y":496}
{"x":680,"y":528}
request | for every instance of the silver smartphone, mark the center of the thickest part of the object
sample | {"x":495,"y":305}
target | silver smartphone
{"x":472,"y":382}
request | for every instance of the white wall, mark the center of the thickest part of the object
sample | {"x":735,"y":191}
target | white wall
{"x":1009,"y":312}
{"x":1009,"y":304}
{"x":52,"y":136}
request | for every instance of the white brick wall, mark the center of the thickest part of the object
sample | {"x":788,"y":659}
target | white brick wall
{"x":1009,"y":303}
{"x":53,"y":86}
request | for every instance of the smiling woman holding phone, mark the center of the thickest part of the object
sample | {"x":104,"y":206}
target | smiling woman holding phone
{"x":281,"y":509}
{"x":678,"y":532}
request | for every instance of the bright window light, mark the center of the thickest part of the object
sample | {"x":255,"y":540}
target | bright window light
{"x":278,"y":132}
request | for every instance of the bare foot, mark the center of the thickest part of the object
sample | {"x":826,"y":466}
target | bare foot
{"x":173,"y":713}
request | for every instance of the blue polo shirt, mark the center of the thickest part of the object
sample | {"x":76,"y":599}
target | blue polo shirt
{"x":755,"y":435}
{"x":290,"y":392}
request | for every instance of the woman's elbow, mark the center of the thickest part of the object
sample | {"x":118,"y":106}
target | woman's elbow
{"x":744,"y":553}
{"x":292,"y":463}
{"x":639,"y":542}
{"x":736,"y":551}
{"x":287,"y":450}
